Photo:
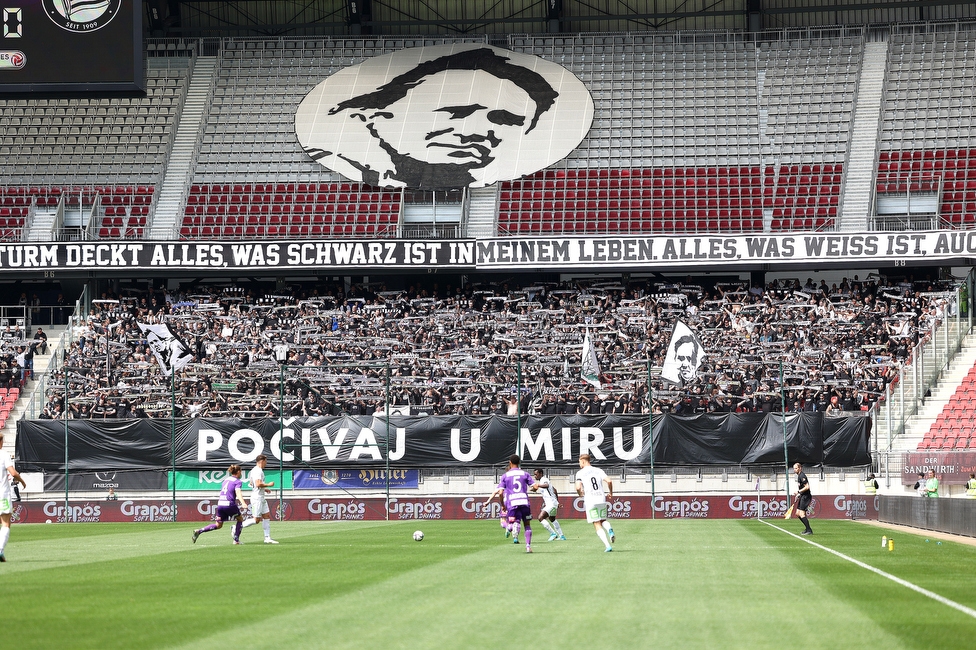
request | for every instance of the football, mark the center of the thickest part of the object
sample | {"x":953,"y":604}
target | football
{"x":418,"y":535}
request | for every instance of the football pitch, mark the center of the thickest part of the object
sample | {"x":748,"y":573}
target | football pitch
{"x":667,"y":584}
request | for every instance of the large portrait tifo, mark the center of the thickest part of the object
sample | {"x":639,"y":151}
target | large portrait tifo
{"x":448,"y":116}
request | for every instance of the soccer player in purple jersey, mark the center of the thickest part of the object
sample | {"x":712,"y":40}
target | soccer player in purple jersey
{"x":514,"y":485}
{"x":230,"y":503}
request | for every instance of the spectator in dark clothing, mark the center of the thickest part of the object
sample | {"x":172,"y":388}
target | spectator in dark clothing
{"x":41,"y":337}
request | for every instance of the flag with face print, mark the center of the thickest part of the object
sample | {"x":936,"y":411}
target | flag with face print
{"x":684,"y":356}
{"x":171,"y":352}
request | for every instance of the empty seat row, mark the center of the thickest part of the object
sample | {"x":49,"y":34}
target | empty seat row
{"x":955,"y":427}
{"x":251,"y":231}
{"x":800,"y":196}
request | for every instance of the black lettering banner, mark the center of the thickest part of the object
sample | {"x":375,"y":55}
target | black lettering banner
{"x":443,"y":441}
{"x":649,"y":253}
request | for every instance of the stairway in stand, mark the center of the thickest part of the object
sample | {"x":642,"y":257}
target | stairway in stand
{"x":15,"y":402}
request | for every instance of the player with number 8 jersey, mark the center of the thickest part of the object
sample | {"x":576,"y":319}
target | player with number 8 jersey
{"x":590,"y":482}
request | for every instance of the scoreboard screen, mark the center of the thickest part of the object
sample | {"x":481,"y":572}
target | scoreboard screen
{"x":71,"y":46}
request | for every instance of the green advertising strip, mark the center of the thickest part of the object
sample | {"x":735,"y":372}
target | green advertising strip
{"x":209,"y":480}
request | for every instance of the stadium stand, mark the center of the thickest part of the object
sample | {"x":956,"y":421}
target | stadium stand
{"x":103,"y":156}
{"x":693,"y":132}
{"x":955,"y":426}
{"x":16,"y":364}
{"x":718,"y":108}
{"x":927,"y":126}
{"x":302,"y":210}
{"x":761,"y":125}
{"x":684,"y":124}
{"x":273,"y":188}
{"x":948,"y":174}
{"x":88,"y":142}
{"x":462,"y":350}
{"x":722,"y":199}
{"x":928,"y":95}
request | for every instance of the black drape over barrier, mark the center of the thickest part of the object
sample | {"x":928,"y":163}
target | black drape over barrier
{"x":433,"y":441}
{"x":92,"y":481}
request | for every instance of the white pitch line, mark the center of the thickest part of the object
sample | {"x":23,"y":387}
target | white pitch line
{"x":884,"y":574}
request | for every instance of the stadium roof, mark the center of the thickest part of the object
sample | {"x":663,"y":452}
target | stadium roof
{"x":203,"y":18}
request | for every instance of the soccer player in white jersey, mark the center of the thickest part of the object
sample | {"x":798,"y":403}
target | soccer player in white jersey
{"x":590,"y":482}
{"x":8,"y":473}
{"x":259,"y":503}
{"x":550,"y":505}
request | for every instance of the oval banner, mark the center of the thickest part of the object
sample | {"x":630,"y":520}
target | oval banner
{"x":442,"y":117}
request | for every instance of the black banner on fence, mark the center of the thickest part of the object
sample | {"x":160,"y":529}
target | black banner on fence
{"x":96,"y":481}
{"x":664,"y":252}
{"x":433,"y":441}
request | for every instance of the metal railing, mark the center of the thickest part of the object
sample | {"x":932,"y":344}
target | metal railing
{"x":36,"y":393}
{"x":906,"y":393}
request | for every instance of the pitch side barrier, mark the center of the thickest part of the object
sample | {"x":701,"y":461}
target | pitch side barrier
{"x":354,"y":508}
{"x":344,"y":464}
{"x":953,"y":516}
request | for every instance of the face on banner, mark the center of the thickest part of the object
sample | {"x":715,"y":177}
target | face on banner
{"x":161,"y":347}
{"x":170,"y":352}
{"x":444,"y":117}
{"x":468,"y":130}
{"x":686,"y":355}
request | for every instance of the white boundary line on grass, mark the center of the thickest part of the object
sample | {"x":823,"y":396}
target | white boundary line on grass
{"x":884,"y":574}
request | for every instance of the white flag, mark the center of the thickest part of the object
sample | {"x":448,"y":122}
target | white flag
{"x":590,"y":371}
{"x":684,"y":356}
{"x":171,"y":352}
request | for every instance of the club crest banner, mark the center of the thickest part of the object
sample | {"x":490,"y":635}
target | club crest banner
{"x":344,"y":479}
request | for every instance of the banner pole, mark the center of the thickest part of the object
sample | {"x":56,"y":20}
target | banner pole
{"x":387,"y":441}
{"x":786,"y":450}
{"x":281,"y":440}
{"x":758,"y":499}
{"x":281,"y":356}
{"x":650,"y":429}
{"x":172,"y":433}
{"x":518,"y":408}
{"x":108,"y":357}
{"x":64,"y":367}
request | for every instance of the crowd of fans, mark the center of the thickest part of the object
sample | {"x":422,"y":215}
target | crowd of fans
{"x":497,"y":349}
{"x":17,"y":352}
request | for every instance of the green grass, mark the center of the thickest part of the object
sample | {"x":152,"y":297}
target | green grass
{"x":668,"y":583}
